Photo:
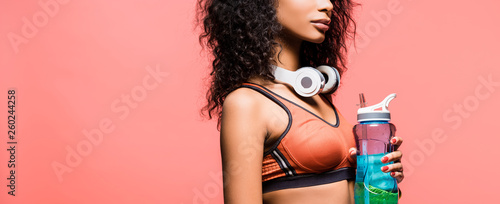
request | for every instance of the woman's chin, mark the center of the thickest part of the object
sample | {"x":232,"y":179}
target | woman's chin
{"x":317,"y":39}
{"x":316,"y":36}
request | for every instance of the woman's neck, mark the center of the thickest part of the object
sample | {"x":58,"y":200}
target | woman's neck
{"x":289,"y":56}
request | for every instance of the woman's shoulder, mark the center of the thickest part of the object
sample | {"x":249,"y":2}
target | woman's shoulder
{"x":243,"y":116}
{"x":245,"y":97}
{"x":242,"y":97}
{"x":243,"y":102}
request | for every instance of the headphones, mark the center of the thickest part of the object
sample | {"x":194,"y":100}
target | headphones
{"x":309,"y":81}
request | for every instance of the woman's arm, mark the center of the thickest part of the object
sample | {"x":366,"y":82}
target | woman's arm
{"x":243,"y":132}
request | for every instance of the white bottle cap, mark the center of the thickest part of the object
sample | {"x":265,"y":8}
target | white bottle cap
{"x":378,"y":112}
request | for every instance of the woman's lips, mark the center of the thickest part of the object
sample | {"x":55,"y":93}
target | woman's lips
{"x":321,"y":26}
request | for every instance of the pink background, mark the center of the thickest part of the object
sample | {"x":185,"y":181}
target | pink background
{"x":85,"y":66}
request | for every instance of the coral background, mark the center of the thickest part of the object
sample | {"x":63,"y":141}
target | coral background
{"x":108,"y":96}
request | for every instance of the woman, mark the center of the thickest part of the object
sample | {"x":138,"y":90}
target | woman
{"x":278,"y":146}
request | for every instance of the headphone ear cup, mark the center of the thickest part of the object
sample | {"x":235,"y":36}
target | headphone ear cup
{"x":332,"y":78}
{"x":308,"y":82}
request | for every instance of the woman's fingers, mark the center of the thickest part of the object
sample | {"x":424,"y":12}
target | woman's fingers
{"x":392,"y":167}
{"x":396,"y":171}
{"x":353,"y":151}
{"x":396,"y":141}
{"x":396,"y":168}
{"x":393,"y":156}
{"x":398,"y":175}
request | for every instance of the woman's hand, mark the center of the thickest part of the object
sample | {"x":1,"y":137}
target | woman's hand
{"x":396,"y":168}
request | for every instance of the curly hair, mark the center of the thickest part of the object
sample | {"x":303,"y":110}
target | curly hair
{"x":241,"y":37}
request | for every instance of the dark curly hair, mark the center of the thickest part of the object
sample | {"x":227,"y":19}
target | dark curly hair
{"x":241,"y":37}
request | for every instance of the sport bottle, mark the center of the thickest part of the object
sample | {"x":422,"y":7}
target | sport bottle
{"x":373,"y":133}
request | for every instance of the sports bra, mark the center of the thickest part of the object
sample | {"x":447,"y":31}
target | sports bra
{"x":311,"y":151}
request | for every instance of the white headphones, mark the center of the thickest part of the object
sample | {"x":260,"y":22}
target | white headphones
{"x":308,"y":81}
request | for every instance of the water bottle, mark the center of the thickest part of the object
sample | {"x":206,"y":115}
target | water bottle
{"x":373,"y":133}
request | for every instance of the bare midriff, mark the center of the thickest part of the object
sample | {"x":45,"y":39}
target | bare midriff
{"x":341,"y":192}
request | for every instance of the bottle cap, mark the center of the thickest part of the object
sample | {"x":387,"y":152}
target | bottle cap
{"x":378,"y":112}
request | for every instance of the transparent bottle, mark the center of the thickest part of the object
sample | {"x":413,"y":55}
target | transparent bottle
{"x":373,"y":134}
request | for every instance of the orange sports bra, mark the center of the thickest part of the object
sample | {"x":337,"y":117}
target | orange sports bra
{"x":310,"y":151}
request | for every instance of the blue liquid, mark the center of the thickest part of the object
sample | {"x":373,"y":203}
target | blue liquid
{"x":372,"y":184}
